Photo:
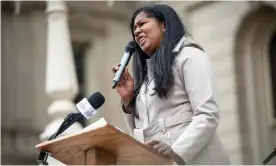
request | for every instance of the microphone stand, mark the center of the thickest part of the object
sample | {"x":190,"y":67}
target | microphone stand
{"x":68,"y":121}
{"x":270,"y":157}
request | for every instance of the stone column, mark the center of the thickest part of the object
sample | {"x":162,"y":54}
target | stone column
{"x":61,"y":81}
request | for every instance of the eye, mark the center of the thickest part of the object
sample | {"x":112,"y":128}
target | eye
{"x":142,"y":23}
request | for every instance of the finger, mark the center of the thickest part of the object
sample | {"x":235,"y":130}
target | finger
{"x":162,"y":149}
{"x":125,"y":74}
{"x":168,"y":152}
{"x":115,"y":69}
{"x":152,"y":142}
{"x":129,"y":77}
{"x":122,"y":81}
{"x":118,"y":64}
{"x":126,"y":78}
{"x":119,"y":88}
{"x":159,"y":145}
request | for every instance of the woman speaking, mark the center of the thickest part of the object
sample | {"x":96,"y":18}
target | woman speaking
{"x":170,"y":102}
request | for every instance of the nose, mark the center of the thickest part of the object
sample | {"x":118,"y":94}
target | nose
{"x":137,"y":31}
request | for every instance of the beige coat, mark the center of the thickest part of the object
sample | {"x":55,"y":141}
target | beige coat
{"x":188,"y":119}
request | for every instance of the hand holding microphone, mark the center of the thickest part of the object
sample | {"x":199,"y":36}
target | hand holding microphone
{"x":123,"y":81}
{"x":125,"y":87}
{"x":129,"y":50}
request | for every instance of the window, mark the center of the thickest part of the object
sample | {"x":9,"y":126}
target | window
{"x":79,"y":54}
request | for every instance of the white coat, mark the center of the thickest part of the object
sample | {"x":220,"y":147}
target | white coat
{"x":187,"y":120}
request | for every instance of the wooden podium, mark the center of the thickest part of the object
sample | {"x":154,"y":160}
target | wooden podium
{"x":105,"y":145}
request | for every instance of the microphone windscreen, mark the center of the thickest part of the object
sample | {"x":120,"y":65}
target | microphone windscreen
{"x":130,"y":47}
{"x":96,"y":100}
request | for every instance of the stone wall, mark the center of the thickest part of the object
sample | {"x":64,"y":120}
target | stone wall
{"x":24,"y":102}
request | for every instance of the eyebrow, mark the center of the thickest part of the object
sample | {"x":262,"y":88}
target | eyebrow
{"x":139,"y":21}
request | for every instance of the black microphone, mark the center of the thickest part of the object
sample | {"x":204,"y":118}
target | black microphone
{"x":129,"y":50}
{"x":87,"y":108}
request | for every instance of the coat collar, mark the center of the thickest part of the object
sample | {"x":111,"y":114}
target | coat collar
{"x":184,"y":41}
{"x":179,"y":44}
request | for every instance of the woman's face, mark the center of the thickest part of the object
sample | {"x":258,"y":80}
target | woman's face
{"x":148,"y":32}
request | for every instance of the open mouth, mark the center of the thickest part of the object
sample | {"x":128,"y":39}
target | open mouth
{"x":142,"y":40}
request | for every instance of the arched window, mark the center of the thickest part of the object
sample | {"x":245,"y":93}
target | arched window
{"x":255,"y":61}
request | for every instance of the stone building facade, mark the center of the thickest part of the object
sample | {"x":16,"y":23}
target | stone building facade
{"x":54,"y":53}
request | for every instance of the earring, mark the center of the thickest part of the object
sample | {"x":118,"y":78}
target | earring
{"x":164,"y":31}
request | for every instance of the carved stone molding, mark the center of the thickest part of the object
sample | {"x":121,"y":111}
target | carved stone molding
{"x":192,"y":6}
{"x":119,"y":11}
{"x":257,"y":4}
{"x":84,"y":27}
{"x":89,"y":19}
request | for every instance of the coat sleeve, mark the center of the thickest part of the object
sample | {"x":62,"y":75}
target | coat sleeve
{"x":195,"y":71}
{"x":129,"y":121}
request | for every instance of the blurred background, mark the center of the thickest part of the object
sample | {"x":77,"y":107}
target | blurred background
{"x":54,"y":53}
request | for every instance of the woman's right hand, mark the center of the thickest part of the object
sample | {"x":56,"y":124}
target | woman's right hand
{"x":125,"y":87}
